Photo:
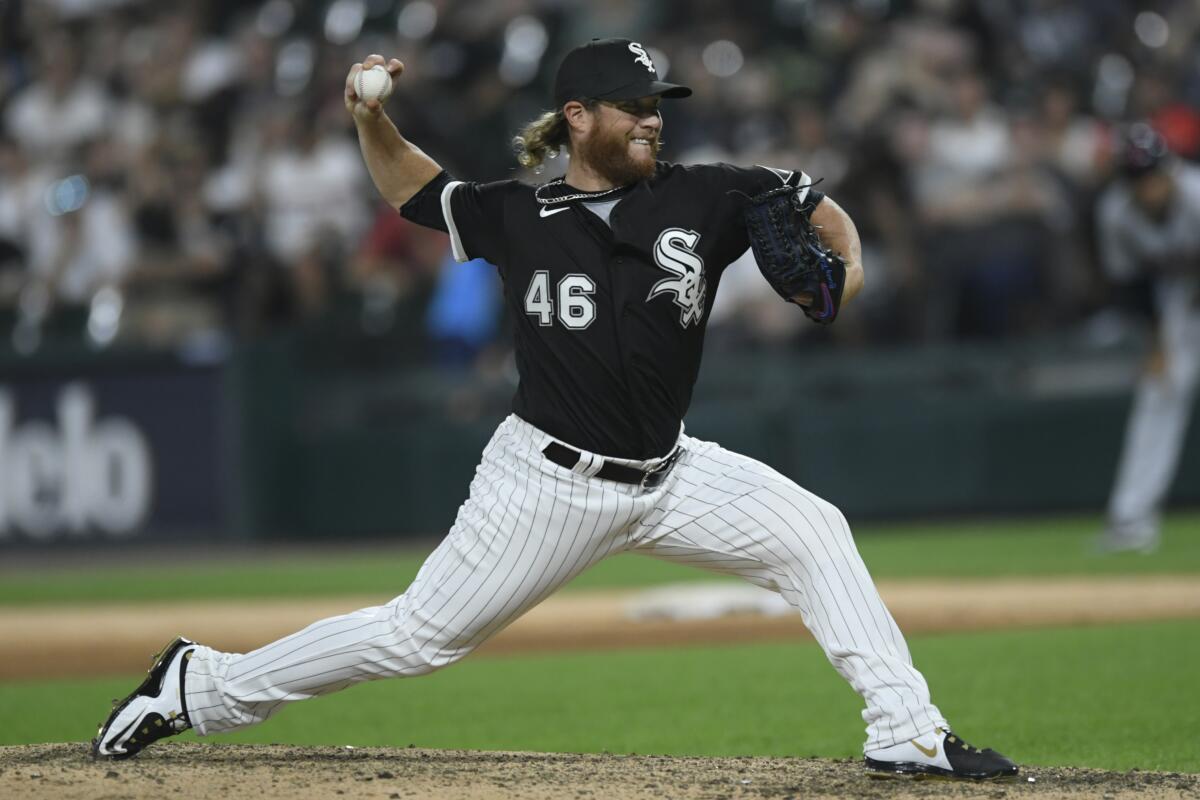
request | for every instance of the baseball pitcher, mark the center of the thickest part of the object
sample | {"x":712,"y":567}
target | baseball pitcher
{"x":610,"y":273}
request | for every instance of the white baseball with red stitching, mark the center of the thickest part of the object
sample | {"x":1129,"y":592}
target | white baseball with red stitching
{"x":373,"y":84}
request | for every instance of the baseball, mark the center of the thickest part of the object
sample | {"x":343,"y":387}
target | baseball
{"x":373,"y":84}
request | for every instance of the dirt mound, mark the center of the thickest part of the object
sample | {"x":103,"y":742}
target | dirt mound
{"x":266,"y":772}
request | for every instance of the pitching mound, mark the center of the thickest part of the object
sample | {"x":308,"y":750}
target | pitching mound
{"x":266,"y":772}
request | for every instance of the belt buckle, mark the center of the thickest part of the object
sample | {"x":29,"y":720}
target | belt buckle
{"x":654,"y":477}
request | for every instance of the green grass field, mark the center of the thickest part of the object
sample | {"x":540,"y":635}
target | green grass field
{"x":1113,"y":697}
{"x":969,"y":549}
{"x":1105,"y":697}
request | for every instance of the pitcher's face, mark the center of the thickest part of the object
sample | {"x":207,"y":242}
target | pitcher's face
{"x":623,"y":141}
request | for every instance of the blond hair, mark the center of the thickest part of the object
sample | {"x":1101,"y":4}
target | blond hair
{"x":544,"y":137}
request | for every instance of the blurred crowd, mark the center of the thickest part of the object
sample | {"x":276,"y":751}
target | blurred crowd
{"x":174,"y":173}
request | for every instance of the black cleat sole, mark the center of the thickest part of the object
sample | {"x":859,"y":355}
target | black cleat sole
{"x":915,"y":771}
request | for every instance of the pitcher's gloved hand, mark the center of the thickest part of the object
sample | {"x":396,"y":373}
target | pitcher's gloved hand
{"x":790,"y":254}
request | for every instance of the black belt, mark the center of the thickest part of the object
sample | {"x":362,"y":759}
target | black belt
{"x":611,"y":471}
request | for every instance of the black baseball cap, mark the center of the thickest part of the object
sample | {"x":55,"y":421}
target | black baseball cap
{"x":610,"y":69}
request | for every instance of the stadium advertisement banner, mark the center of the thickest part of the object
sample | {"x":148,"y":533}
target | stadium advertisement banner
{"x":111,"y":457}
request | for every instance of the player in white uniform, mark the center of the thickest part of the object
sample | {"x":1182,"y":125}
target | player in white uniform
{"x":610,"y":275}
{"x":1149,"y":229}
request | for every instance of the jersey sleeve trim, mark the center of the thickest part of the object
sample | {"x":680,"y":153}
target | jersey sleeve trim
{"x":788,"y":177}
{"x":805,"y":183}
{"x":456,"y":244}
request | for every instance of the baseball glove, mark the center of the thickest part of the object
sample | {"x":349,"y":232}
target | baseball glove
{"x":790,"y":254}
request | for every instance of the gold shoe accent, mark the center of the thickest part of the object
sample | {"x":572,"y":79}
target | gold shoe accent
{"x":929,"y":751}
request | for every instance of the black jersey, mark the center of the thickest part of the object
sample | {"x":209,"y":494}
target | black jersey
{"x":610,"y":316}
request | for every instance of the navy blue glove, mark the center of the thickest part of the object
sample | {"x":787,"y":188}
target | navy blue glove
{"x":790,"y":254}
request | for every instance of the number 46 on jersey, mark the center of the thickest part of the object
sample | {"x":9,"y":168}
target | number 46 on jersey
{"x":571,"y":299}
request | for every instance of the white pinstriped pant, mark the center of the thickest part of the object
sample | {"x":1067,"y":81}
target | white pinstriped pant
{"x":530,"y":525}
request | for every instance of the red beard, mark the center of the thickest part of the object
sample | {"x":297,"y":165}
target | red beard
{"x":607,"y":154}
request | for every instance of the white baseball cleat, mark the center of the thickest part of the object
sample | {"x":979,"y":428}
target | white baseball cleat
{"x":943,"y":755}
{"x":154,"y":710}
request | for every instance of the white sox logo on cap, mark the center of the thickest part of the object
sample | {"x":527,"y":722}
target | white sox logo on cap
{"x":642,"y":57}
{"x":675,"y":251}
{"x":603,"y":70}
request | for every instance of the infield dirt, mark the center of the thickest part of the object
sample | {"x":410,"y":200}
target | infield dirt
{"x":67,"y":771}
{"x":61,"y":641}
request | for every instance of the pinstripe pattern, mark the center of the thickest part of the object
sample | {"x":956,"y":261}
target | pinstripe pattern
{"x":727,"y":513}
{"x":530,"y":525}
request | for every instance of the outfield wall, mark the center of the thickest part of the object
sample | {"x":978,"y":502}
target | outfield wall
{"x":310,"y":438}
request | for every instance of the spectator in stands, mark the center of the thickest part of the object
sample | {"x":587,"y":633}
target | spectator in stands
{"x":949,"y":129}
{"x":1075,"y":144}
{"x":980,"y":202}
{"x":22,"y":186}
{"x":397,"y":265}
{"x":315,"y":202}
{"x":86,"y":240}
{"x":61,"y":109}
{"x":179,"y":283}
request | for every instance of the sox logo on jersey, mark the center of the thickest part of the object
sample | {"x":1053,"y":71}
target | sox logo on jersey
{"x":675,"y":251}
